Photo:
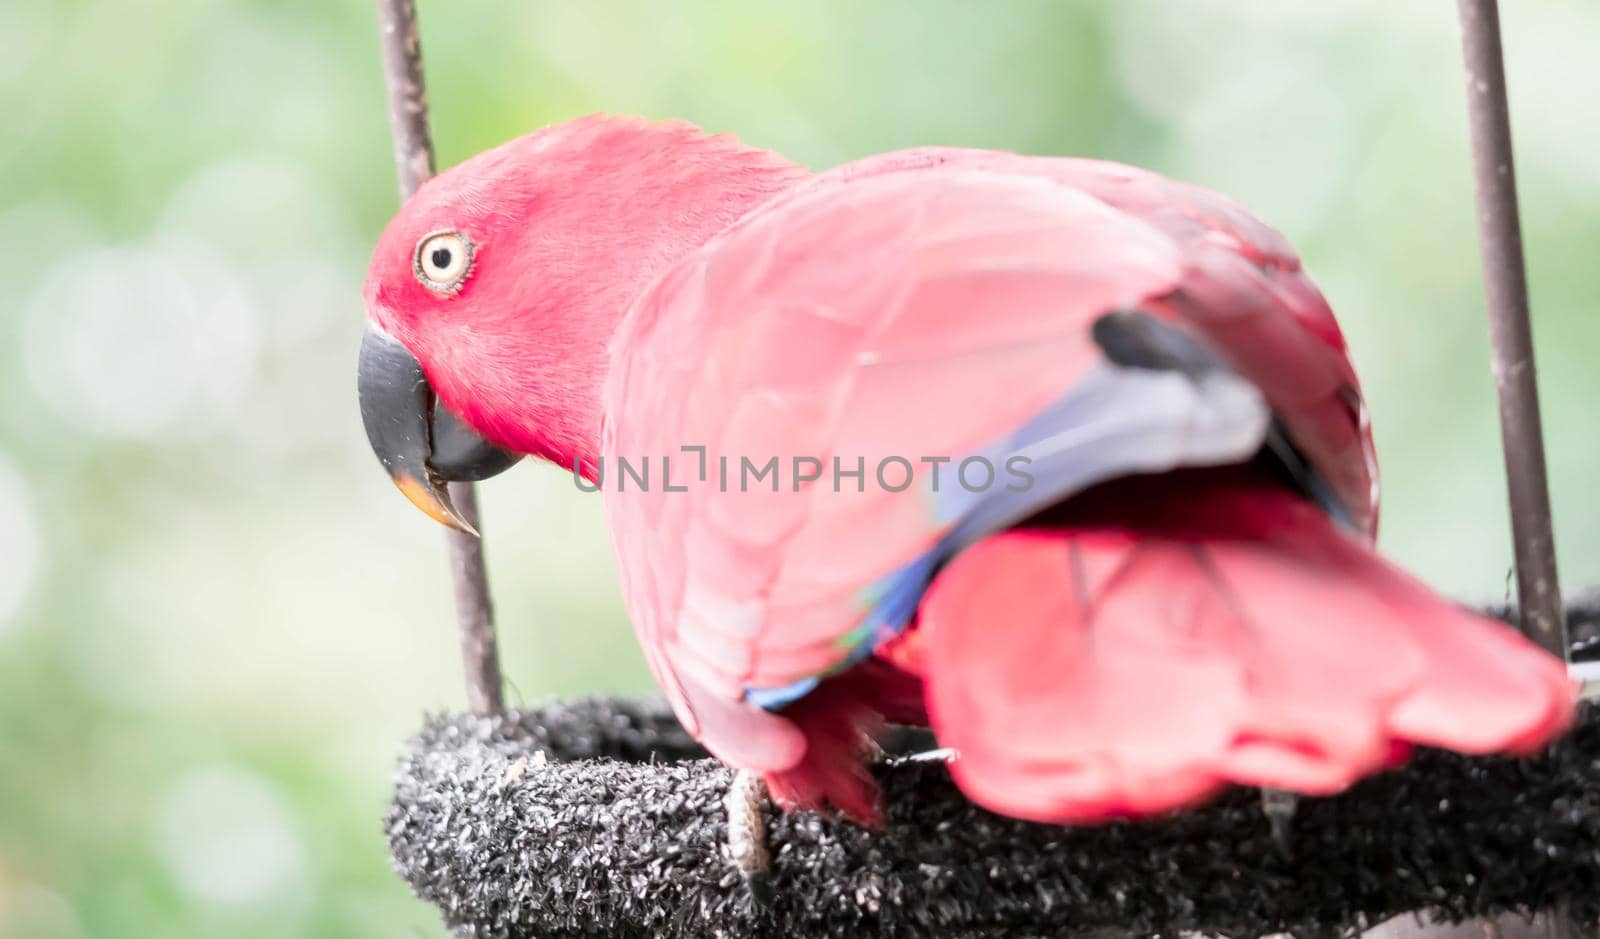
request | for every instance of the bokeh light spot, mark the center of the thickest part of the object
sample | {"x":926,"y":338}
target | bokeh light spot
{"x":19,"y":545}
{"x":131,"y":341}
{"x":228,"y":838}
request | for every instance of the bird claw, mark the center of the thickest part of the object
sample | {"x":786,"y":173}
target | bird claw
{"x":746,"y":803}
{"x":1278,"y":806}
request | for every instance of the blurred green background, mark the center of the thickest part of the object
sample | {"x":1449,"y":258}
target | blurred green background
{"x":218,"y":621}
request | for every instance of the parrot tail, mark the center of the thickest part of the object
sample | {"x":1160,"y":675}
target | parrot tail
{"x":1160,"y":637}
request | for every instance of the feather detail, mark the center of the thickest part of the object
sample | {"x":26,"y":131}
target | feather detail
{"x":1163,"y":636}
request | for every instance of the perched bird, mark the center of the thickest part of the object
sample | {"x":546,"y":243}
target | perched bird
{"x":1061,"y":457}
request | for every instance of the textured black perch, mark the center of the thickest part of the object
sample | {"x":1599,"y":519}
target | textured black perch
{"x":621,"y":834}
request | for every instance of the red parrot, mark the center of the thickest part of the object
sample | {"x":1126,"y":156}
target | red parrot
{"x":1063,"y":458}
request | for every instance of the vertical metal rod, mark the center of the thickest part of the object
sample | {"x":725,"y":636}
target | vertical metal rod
{"x":1510,"y":333}
{"x":1511,"y":343}
{"x":413,"y":162}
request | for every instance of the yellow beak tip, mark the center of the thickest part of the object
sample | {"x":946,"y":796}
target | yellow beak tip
{"x":434,"y":501}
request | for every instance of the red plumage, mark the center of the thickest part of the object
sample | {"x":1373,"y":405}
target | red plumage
{"x":1159,"y":637}
{"x":640,"y":288}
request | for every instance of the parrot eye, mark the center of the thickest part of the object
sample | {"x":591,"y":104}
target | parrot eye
{"x":443,"y":260}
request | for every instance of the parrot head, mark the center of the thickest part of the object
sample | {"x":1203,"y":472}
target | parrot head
{"x":494,"y":291}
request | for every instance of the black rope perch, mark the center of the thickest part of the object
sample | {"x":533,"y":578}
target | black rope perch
{"x":601,"y":817}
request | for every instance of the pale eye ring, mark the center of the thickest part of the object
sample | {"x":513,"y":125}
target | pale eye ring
{"x":443,"y":260}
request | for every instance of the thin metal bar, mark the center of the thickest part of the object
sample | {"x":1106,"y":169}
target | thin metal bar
{"x":1505,"y":279}
{"x":1510,"y":333}
{"x":413,"y":163}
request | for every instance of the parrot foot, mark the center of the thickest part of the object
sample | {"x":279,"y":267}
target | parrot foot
{"x":1278,"y":806}
{"x":746,"y":803}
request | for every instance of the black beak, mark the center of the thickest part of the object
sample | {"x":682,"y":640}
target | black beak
{"x":420,"y":443}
